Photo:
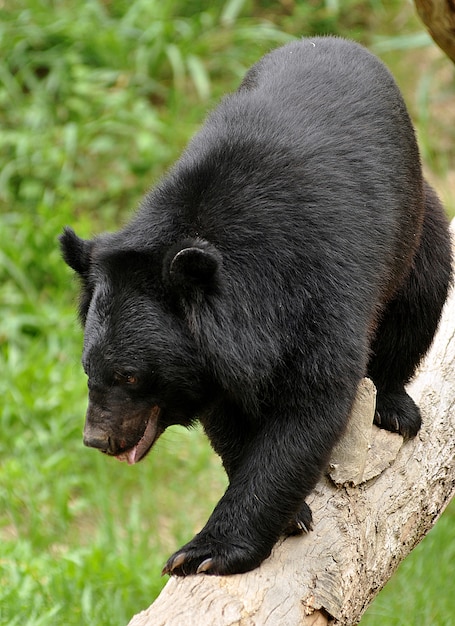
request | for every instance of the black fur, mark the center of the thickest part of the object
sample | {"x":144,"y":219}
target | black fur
{"x":292,"y":249}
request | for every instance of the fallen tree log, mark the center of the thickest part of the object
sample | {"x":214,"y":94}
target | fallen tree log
{"x":379,"y":499}
{"x":439,"y":18}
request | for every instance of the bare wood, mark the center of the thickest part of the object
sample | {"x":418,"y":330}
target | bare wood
{"x":365,"y":524}
{"x":439,"y":18}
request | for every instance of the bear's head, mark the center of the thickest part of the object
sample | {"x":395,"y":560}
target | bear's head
{"x":143,"y":363}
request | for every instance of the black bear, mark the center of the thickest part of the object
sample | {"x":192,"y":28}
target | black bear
{"x":293,"y":249}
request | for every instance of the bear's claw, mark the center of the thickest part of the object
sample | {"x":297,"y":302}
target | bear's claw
{"x":176,"y":566}
{"x":205,"y":566}
{"x":174,"y":563}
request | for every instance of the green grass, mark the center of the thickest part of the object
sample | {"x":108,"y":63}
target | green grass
{"x":96,"y":100}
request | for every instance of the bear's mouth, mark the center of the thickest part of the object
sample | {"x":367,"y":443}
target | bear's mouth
{"x":141,"y":448}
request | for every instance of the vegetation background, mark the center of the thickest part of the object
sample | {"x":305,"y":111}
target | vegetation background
{"x":97,"y":98}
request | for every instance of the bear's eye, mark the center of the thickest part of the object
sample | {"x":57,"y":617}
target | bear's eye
{"x":125,"y":378}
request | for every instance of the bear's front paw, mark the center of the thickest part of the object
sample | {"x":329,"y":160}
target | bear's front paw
{"x":221,"y":556}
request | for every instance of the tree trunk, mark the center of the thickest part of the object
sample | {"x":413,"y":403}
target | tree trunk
{"x":439,"y":18}
{"x":380,"y":498}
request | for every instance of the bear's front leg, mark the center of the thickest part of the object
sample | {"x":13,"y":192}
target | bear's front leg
{"x":279,"y":467}
{"x":225,"y":554}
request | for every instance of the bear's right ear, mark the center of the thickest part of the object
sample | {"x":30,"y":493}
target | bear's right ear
{"x":75,"y":251}
{"x":193,"y":265}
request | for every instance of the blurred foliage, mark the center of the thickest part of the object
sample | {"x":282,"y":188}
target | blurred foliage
{"x":87,"y":92}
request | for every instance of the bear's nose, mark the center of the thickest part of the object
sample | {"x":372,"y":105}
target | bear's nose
{"x":96,"y":438}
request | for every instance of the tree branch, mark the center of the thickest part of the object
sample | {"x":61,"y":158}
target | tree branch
{"x":381,"y":498}
{"x":439,"y":18}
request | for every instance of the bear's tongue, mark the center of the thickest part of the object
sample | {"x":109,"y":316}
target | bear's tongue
{"x":135,"y":454}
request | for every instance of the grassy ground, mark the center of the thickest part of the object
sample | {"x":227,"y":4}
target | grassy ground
{"x":96,"y":100}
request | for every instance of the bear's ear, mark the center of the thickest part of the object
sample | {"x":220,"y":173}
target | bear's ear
{"x":75,"y":251}
{"x":193,"y":264}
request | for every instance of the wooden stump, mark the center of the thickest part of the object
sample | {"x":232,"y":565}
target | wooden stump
{"x":439,"y":18}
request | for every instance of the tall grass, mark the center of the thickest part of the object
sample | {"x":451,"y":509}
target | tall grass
{"x":96,"y":100}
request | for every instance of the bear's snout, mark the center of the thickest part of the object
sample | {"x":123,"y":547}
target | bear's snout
{"x":96,"y":438}
{"x":127,"y":436}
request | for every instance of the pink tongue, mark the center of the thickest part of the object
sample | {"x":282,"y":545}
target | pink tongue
{"x":129,"y":457}
{"x":136,"y":453}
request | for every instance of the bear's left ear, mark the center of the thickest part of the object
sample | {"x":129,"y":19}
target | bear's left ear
{"x":75,"y":251}
{"x":193,"y":264}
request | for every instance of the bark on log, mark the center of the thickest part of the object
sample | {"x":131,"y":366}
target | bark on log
{"x":368,"y":516}
{"x":439,"y":18}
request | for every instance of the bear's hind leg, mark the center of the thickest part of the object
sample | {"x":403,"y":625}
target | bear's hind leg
{"x":301,"y":522}
{"x":409,"y":322}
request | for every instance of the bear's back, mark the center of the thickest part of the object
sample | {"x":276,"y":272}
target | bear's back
{"x":310,"y":159}
{"x":323,"y":96}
